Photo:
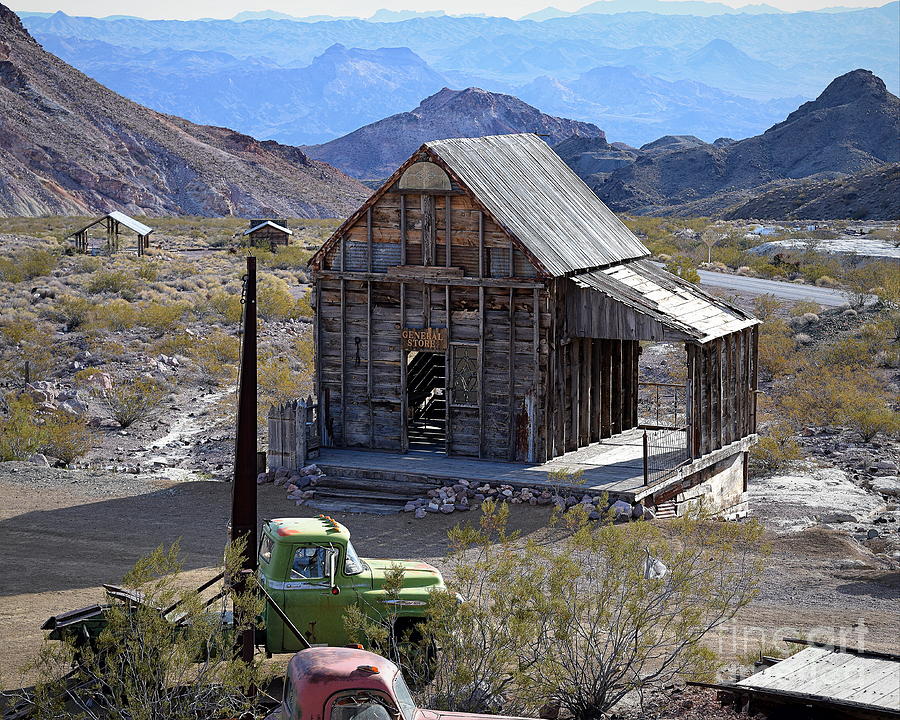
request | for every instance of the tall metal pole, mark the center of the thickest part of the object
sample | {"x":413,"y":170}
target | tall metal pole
{"x":243,"y":499}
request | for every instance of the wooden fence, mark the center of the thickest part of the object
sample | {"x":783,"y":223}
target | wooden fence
{"x":293,"y":434}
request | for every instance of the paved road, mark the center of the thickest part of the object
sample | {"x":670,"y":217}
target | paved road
{"x":781,"y":290}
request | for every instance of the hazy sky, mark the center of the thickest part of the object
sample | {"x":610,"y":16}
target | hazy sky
{"x":188,"y":9}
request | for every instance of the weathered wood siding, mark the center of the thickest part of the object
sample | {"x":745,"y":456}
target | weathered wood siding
{"x":266,"y":237}
{"x":393,"y":269}
{"x":722,"y":391}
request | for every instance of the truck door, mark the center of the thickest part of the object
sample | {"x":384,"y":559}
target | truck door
{"x":308,"y":598}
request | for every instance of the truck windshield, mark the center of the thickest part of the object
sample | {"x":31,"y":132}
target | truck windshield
{"x":352,"y":565}
{"x":404,"y":698}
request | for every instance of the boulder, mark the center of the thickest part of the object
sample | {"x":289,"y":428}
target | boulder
{"x":39,"y":459}
{"x":420,"y":513}
{"x":446,"y":508}
{"x":621,"y":509}
{"x":410,"y":507}
{"x":837,"y":517}
{"x":432,"y":507}
{"x":886,"y":485}
{"x":872,"y":534}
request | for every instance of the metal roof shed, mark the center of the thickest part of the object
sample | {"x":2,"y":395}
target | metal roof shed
{"x":114,"y":221}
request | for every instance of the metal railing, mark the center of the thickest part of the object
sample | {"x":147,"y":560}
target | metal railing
{"x":662,"y":405}
{"x":664,"y":452}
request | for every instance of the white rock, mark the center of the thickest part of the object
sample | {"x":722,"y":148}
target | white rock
{"x":39,"y":459}
{"x":886,"y":485}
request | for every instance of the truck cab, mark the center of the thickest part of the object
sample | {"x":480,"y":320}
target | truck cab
{"x":311,"y":570}
{"x":344,"y":683}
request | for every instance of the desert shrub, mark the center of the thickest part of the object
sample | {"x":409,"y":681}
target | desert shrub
{"x":162,"y":317}
{"x":26,"y":430}
{"x":277,"y":382}
{"x":71,"y":311}
{"x":223,"y":305}
{"x":87,"y":264}
{"x":801,"y":307}
{"x":274,"y":300}
{"x":683,"y":267}
{"x":777,"y":448}
{"x":133,"y":400}
{"x":148,"y":664}
{"x":148,"y":270}
{"x":766,"y":306}
{"x":176,"y":343}
{"x":555,"y":622}
{"x":117,"y":282}
{"x":217,"y":355}
{"x":27,"y":264}
{"x":303,"y":307}
{"x":288,"y":257}
{"x":777,"y":349}
{"x":116,"y":314}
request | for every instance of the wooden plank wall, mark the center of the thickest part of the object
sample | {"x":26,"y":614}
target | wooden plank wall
{"x":360,"y":361}
{"x":721,"y":391}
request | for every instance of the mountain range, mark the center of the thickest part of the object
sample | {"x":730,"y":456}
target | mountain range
{"x":68,"y":145}
{"x":852,"y":127}
{"x":638,"y":75}
{"x":374,"y":151}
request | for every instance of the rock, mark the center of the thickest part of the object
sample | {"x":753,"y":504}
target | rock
{"x":810,"y":318}
{"x":888,"y":465}
{"x":39,"y":459}
{"x":281,"y":472}
{"x":310,"y":470}
{"x":802,"y":339}
{"x":447,"y":508}
{"x":571,"y":500}
{"x":621,"y":509}
{"x":410,"y":507}
{"x":849,"y":312}
{"x":420,"y":513}
{"x":507,"y":493}
{"x":543,"y":500}
{"x":432,"y":507}
{"x":74,"y":407}
{"x":462,"y":507}
{"x":872,"y":534}
{"x":649,"y":514}
{"x":262,"y":478}
{"x":836,"y":518}
{"x":479,"y":498}
{"x":637,"y":512}
{"x":594,"y":515}
{"x":886,"y":485}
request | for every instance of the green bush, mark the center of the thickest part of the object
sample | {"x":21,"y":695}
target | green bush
{"x":25,"y":430}
{"x":71,"y":311}
{"x":684,"y":267}
{"x":116,"y":282}
{"x":776,"y":449}
{"x":162,"y":317}
{"x":274,"y":300}
{"x":130,"y":401}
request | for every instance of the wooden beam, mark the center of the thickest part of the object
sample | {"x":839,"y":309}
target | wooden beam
{"x":539,"y":400}
{"x":369,"y":258}
{"x":480,"y":244}
{"x":754,"y":376}
{"x":369,"y":363}
{"x":448,"y":429}
{"x":404,"y":400}
{"x":402,"y":230}
{"x":428,"y":230}
{"x":511,"y":370}
{"x":343,"y":362}
{"x":480,"y":372}
{"x":448,"y":229}
{"x":606,"y":388}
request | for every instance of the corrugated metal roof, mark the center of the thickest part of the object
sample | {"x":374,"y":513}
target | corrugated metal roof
{"x":270,"y":224}
{"x":833,"y":675}
{"x":122,"y":218}
{"x":130,"y":223}
{"x":529,"y":190}
{"x":674,"y":302}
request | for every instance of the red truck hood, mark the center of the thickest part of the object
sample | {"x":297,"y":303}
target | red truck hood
{"x":422,"y":714}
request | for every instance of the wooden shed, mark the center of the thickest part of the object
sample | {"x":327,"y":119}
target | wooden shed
{"x":112,"y":223}
{"x":484,"y":303}
{"x":267,"y":233}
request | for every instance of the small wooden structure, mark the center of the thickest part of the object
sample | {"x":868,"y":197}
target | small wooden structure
{"x":485,"y":304}
{"x":267,"y":233}
{"x":822,"y":681}
{"x":113,"y":223}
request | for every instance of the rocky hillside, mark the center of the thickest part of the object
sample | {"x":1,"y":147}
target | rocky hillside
{"x":853,"y":126}
{"x":869,"y":195}
{"x":374,"y":151}
{"x":68,"y":145}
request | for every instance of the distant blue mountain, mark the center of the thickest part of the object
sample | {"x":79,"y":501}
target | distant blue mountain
{"x":661,"y":7}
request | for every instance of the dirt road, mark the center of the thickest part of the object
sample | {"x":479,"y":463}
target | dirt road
{"x":60,"y":542}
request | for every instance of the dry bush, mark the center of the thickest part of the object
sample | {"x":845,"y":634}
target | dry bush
{"x":162,"y":317}
{"x":777,"y":448}
{"x":116,"y":314}
{"x":71,"y":311}
{"x":777,"y":349}
{"x":683,"y":267}
{"x":115,"y":282}
{"x":801,"y":307}
{"x":216,"y":355}
{"x":766,"y":306}
{"x":223,"y":306}
{"x":27,"y":264}
{"x":25,"y":430}
{"x":274,"y":300}
{"x":133,"y":400}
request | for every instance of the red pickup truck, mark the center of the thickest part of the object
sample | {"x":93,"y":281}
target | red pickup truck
{"x":343,"y":683}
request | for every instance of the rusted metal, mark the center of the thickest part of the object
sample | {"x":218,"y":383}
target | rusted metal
{"x":243,"y":498}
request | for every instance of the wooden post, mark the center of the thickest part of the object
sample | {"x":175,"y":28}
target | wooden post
{"x":606,"y":388}
{"x":403,"y":229}
{"x":646,"y":460}
{"x":404,"y":400}
{"x":448,"y":430}
{"x":512,"y":375}
{"x":448,"y":211}
{"x":480,"y":244}
{"x":480,"y":369}
{"x":754,"y":376}
{"x":369,"y":363}
{"x":536,"y":375}
{"x":343,"y":362}
{"x":369,"y":239}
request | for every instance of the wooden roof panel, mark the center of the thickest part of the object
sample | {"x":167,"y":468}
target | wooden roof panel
{"x":529,"y":190}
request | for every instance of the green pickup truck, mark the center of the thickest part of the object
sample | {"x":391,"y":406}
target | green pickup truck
{"x":311,"y":570}
{"x":308,"y":568}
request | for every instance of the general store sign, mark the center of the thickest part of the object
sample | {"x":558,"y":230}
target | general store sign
{"x":424,"y":338}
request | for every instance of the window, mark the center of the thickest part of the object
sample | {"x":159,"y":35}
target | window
{"x":291,"y":711}
{"x":352,"y":565}
{"x":265,"y":549}
{"x":465,"y":375}
{"x":309,"y":563}
{"x":404,"y":698}
{"x":363,"y":707}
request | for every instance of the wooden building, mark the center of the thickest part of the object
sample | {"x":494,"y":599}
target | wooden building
{"x":267,"y":233}
{"x":484,"y":303}
{"x":112,"y":224}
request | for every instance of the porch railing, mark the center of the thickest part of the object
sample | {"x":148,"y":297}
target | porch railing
{"x":665,"y":451}
{"x":662,"y":405}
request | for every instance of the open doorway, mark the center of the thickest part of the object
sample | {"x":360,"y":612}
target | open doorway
{"x":426,"y":420}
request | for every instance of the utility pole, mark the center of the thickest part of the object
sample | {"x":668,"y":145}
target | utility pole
{"x":243,"y":499}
